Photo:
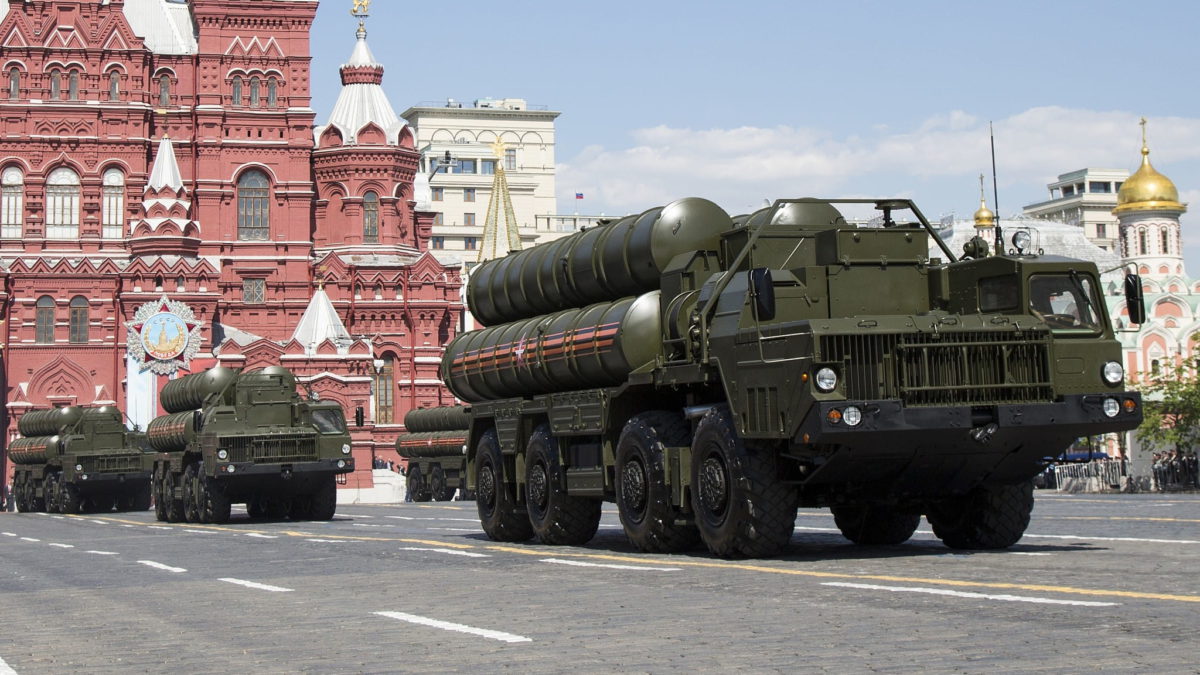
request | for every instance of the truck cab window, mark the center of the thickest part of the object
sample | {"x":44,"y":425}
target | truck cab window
{"x":1064,"y":302}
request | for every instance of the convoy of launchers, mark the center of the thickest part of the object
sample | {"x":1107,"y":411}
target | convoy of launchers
{"x":710,"y":374}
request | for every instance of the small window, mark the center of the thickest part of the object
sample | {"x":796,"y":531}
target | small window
{"x":79,"y":319}
{"x":113,"y":216}
{"x":463,"y":166}
{"x":253,"y":195}
{"x":510,"y":159}
{"x":1101,"y":231}
{"x":469,"y":219}
{"x":14,"y":84}
{"x":12,"y":204}
{"x":164,"y":90}
{"x":437,"y":242}
{"x":437,"y":219}
{"x":998,"y":294}
{"x":384,"y":387}
{"x":487,"y":166}
{"x":114,"y":86}
{"x":468,"y":194}
{"x":470,"y":243}
{"x":272,"y":93}
{"x":1166,"y":241}
{"x":371,"y":218}
{"x":44,"y":319}
{"x":62,"y":204}
{"x":439,"y":194}
{"x":73,"y":85}
{"x":254,"y":92}
{"x":254,"y":291}
{"x":55,"y":85}
{"x":237,"y":91}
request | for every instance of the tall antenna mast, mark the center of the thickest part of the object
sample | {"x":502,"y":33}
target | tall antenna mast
{"x":996,"y":194}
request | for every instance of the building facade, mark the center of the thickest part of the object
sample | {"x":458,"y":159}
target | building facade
{"x":1085,"y":198}
{"x":166,"y":205}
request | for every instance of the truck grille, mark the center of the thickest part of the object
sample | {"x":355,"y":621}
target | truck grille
{"x":111,"y":463}
{"x":944,"y":368}
{"x":277,"y":449}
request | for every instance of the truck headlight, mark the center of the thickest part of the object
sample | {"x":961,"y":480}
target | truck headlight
{"x":852,"y":416}
{"x":79,"y":467}
{"x":826,"y":379}
{"x":1113,"y":372}
{"x":341,"y":464}
{"x":222,"y":455}
{"x":1111,"y":407}
{"x":1021,"y":241}
{"x":345,"y":449}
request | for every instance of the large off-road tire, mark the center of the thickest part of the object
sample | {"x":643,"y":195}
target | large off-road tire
{"x":557,"y":517}
{"x":50,"y":489}
{"x":172,"y":505}
{"x":191,"y":498}
{"x":215,"y":503}
{"x":652,"y":523}
{"x":412,"y":482}
{"x":21,"y":491}
{"x":742,"y":506}
{"x":989,"y":517}
{"x":875,"y":524}
{"x":68,"y":499}
{"x":160,"y":503}
{"x":323,"y":503}
{"x":500,"y":516}
{"x":437,"y":484}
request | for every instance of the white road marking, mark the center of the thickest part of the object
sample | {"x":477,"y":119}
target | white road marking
{"x":354,"y":515}
{"x":160,"y":566}
{"x":328,"y":541}
{"x":611,"y":527}
{"x":577,"y":563}
{"x":1027,"y":553}
{"x":200,"y":531}
{"x":462,"y":520}
{"x":457,"y":627}
{"x":102,"y":552}
{"x":1074,"y":537}
{"x":9,"y":534}
{"x":29,"y":539}
{"x":62,"y":545}
{"x":126,"y":525}
{"x":254,"y":584}
{"x":818,"y":529}
{"x":448,"y":551}
{"x":368,"y":525}
{"x":262,"y":536}
{"x":98,"y":522}
{"x":454,"y":529}
{"x":159,"y":527}
{"x":6,"y":669}
{"x":59,"y":517}
{"x":979,"y":596}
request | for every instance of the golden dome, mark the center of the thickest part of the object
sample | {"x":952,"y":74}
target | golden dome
{"x":1147,"y":189}
{"x":984,"y":217}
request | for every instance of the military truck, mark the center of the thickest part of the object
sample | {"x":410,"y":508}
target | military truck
{"x":710,"y":374}
{"x":246,"y":437}
{"x":79,"y":460}
{"x":433,"y":446}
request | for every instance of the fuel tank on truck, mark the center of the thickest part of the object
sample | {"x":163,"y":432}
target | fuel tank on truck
{"x":596,"y":346}
{"x":35,"y":450}
{"x":450,"y":418}
{"x":604,"y":263}
{"x":188,"y":393}
{"x":49,"y":422}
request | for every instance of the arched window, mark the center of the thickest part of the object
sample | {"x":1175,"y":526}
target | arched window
{"x":55,"y":85}
{"x":114,"y":205}
{"x":14,"y":84}
{"x":384,"y":386}
{"x":254,"y":92}
{"x":79,"y":319}
{"x":164,"y":90}
{"x":378,"y":291}
{"x":62,"y":204}
{"x":44,"y":319}
{"x":253,"y":195}
{"x":237,"y":91}
{"x":12,"y":203}
{"x":371,"y":218}
{"x":179,"y":284}
{"x":114,"y":86}
{"x":1166,"y":241}
{"x":272,"y":93}
{"x":73,"y":85}
{"x":1143,"y":243}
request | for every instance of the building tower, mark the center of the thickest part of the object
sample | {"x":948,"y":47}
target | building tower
{"x":1148,"y":209}
{"x":500,"y":233}
{"x":984,"y":218}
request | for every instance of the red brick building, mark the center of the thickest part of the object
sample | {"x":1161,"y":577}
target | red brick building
{"x":167,"y":202}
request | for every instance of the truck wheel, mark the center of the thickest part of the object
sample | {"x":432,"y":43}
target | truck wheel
{"x":216,"y":502}
{"x":412,"y":482}
{"x":741,"y":505}
{"x":499,"y":515}
{"x":557,"y":517}
{"x":323,"y":503}
{"x":875,"y":524}
{"x":191,"y":505}
{"x":652,"y":523}
{"x":69,"y":499}
{"x":21,"y":493}
{"x":172,"y":506}
{"x":989,"y":517}
{"x":437,"y":484}
{"x":50,"y":490}
{"x":160,"y":504}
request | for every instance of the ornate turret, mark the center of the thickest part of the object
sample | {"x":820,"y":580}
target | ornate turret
{"x":166,"y":226}
{"x":1147,"y":189}
{"x":984,"y":216}
{"x":1148,"y":209}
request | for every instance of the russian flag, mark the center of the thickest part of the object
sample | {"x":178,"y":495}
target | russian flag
{"x":578,"y":195}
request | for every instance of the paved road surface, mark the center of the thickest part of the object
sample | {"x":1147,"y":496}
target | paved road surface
{"x":1099,"y":582}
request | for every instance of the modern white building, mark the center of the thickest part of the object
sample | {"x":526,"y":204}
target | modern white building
{"x":1086,"y":199}
{"x":458,"y":157}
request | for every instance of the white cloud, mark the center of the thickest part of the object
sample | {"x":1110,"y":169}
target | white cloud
{"x":937,"y":162}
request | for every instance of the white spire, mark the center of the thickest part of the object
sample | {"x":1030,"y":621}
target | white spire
{"x":319,"y":323}
{"x":362,"y":55}
{"x":166,"y":170}
{"x":362,"y":99}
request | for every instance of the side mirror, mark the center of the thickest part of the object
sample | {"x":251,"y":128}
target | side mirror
{"x":762,"y":290}
{"x":1133,"y":299}
{"x":359,"y":416}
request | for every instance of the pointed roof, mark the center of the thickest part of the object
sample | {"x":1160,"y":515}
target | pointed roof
{"x":362,"y":100}
{"x":166,"y":169}
{"x":320,"y":323}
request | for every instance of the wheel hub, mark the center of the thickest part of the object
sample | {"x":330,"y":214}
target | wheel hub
{"x":633,"y":487}
{"x":714,"y":489}
{"x":538,"y":486}
{"x":485,"y":492}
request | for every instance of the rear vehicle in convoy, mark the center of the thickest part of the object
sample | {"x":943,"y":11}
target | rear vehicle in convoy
{"x":246,"y":437}
{"x":433,"y":445}
{"x":710,"y":374}
{"x":79,"y":460}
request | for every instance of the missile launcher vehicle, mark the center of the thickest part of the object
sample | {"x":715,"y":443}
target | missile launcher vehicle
{"x":79,"y":460}
{"x":710,"y":374}
{"x":433,"y":446}
{"x":232,"y":436}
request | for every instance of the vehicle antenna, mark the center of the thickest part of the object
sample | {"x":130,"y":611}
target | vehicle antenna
{"x":996,"y":194}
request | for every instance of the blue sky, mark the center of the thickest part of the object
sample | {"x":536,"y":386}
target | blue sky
{"x":741,"y":102}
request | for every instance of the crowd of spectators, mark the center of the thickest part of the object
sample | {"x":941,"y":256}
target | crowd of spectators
{"x":1174,"y":470}
{"x":381,"y":463}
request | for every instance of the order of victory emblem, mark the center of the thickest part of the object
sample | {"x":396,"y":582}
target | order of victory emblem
{"x":163,"y":336}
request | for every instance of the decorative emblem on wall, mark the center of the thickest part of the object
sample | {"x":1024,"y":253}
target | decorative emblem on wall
{"x":163,"y":336}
